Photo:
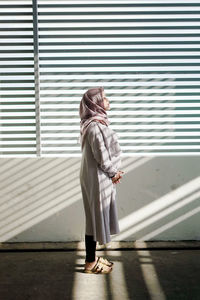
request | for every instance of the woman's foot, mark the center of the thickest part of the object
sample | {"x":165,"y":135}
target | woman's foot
{"x":106,"y":262}
{"x":90,"y":265}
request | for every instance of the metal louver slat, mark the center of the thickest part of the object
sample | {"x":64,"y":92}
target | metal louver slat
{"x":17,"y":121}
{"x":145,"y":54}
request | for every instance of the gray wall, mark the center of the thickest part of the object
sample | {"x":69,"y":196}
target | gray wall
{"x":158,"y":199}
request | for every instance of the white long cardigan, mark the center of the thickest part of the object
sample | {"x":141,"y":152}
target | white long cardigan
{"x":100,"y":161}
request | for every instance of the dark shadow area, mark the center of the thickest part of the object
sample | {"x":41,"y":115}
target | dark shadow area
{"x":36,"y":275}
{"x":137,"y":274}
{"x":178,"y":272}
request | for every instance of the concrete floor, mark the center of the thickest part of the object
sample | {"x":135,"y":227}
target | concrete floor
{"x":137,"y":274}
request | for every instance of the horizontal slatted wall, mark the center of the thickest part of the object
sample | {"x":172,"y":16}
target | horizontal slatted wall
{"x":144,"y":53}
{"x":17,"y":103}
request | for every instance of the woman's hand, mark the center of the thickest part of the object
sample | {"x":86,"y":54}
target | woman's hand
{"x":117,"y":177}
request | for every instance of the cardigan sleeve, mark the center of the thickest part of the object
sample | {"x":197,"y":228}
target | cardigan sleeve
{"x":100,"y":151}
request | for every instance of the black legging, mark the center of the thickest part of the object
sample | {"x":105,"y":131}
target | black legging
{"x":90,"y":246}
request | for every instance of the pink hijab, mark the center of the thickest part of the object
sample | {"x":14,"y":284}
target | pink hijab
{"x":91,"y":110}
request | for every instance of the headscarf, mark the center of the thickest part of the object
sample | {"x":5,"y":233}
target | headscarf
{"x":91,"y":110}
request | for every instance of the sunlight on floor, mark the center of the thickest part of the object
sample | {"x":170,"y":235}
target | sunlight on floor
{"x":149,"y":274}
{"x":87,"y":286}
{"x":100,"y":286}
{"x":117,"y":278}
{"x":114,"y":285}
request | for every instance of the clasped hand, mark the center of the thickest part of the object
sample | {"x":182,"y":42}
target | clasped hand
{"x":117,"y":177}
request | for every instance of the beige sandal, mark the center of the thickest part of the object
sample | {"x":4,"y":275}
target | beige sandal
{"x":106,"y":262}
{"x":99,"y":268}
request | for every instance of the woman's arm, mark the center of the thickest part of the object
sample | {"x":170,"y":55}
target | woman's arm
{"x":99,"y":150}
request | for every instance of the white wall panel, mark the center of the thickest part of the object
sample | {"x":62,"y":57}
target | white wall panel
{"x":17,"y":91}
{"x":144,"y":53}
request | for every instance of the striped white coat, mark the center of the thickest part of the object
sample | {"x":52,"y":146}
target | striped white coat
{"x":100,"y":161}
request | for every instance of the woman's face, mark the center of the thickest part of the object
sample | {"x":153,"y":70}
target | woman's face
{"x":106,"y":102}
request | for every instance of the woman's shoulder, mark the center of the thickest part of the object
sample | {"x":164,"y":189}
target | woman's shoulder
{"x":92,"y":125}
{"x":95,"y":124}
{"x":92,"y":128}
{"x":96,"y":127}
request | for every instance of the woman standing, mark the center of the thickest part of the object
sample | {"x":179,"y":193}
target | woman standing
{"x":99,"y":174}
